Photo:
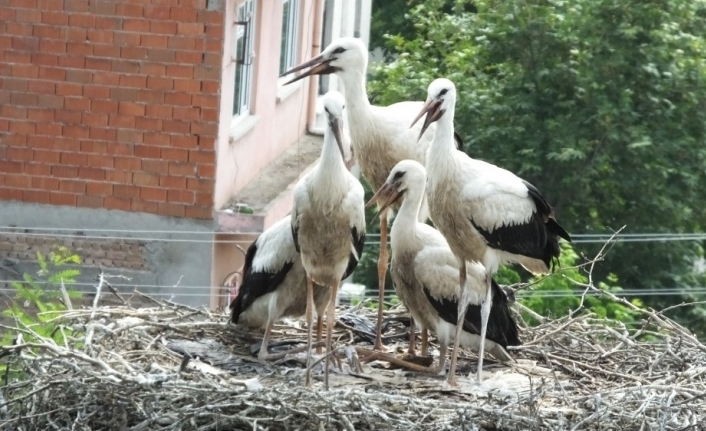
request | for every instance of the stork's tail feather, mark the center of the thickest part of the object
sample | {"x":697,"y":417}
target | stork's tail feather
{"x":508,"y":334}
{"x":555,"y":228}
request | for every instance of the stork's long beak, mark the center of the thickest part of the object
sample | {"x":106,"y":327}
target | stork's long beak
{"x":336,"y":126}
{"x":433,"y":111}
{"x":388,"y":192}
{"x":319,"y":66}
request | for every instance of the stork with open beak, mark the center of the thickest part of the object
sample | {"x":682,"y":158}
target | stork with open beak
{"x":274,"y":285}
{"x":486,"y":213}
{"x":425,"y":274}
{"x":380,"y":136}
{"x":328,"y":220}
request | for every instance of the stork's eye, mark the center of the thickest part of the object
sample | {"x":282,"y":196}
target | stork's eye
{"x":444,"y":91}
{"x":339,"y":50}
{"x":399,"y":174}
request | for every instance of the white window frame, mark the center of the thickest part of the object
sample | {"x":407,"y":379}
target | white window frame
{"x":289,"y":41}
{"x":244,"y":59}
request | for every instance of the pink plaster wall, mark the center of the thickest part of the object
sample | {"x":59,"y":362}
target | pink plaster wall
{"x":279,"y":124}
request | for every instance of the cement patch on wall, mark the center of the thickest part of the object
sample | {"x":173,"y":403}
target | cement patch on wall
{"x":152,"y":250}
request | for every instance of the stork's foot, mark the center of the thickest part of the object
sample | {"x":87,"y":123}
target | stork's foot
{"x":379,"y":347}
{"x":424,"y":361}
{"x":371,"y":355}
{"x":280,"y":355}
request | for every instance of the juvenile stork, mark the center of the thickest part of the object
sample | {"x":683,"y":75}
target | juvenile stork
{"x":425,"y":274}
{"x":486,"y":213}
{"x":328,"y":221}
{"x":274,"y":284}
{"x":380,"y":136}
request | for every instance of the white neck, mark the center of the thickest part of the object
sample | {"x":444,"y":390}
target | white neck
{"x":329,"y":176}
{"x":442,"y":146}
{"x":409,"y":211}
{"x":357,"y":103}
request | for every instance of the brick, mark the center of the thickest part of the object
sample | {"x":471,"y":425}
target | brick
{"x":147,"y":151}
{"x":123,"y":94}
{"x":180,"y":196}
{"x":99,"y":189}
{"x":210,"y":16}
{"x":67,"y":144}
{"x":161,"y":55}
{"x":73,"y":159}
{"x":154,"y":194}
{"x":214,"y":45}
{"x":173,"y":210}
{"x":181,"y":42}
{"x":19,"y":181}
{"x":96,"y":92}
{"x":13,"y":140}
{"x":45,"y":183}
{"x":207,"y":72}
{"x":92,"y":146}
{"x":50,"y":101}
{"x":106,"y":78}
{"x":14,"y":84}
{"x":45,"y":59}
{"x":189,"y":57}
{"x":133,"y":53}
{"x":105,"y":106}
{"x":19,"y":154}
{"x":24,"y":99}
{"x":144,"y":179}
{"x":154,"y":40}
{"x":204,"y":198}
{"x":106,"y":51}
{"x":25,"y":70}
{"x":76,"y":131}
{"x":187,"y":85}
{"x":190,"y":28}
{"x":77,"y":48}
{"x":25,"y":43}
{"x":51,"y":73}
{"x":122,"y":38}
{"x":134,"y":81}
{"x":125,"y":66}
{"x":183,"y":14}
{"x":131,"y":108}
{"x":175,"y":154}
{"x":206,"y":171}
{"x":76,"y":5}
{"x":18,"y":29}
{"x":77,"y":104}
{"x":62,"y":199}
{"x":178,"y":98}
{"x":127,"y":163}
{"x":204,"y":129}
{"x":72,"y":186}
{"x":151,"y":96}
{"x":145,"y":207}
{"x":115,"y":120}
{"x":129,"y":9}
{"x":144,"y":123}
{"x":67,"y":117}
{"x":17,"y":56}
{"x":210,"y":87}
{"x":102,"y":133}
{"x":89,"y":201}
{"x":123,"y":177}
{"x":214,"y":31}
{"x":36,"y":169}
{"x":160,"y":111}
{"x":126,"y":191}
{"x":91,"y":173}
{"x":10,"y":194}
{"x":40,"y":114}
{"x":176,"y":168}
{"x":22,"y":127}
{"x":9,"y":111}
{"x":115,"y":203}
{"x":109,"y":22}
{"x":172,"y":182}
{"x":137,"y":25}
{"x":54,"y":18}
{"x":157,"y":12}
{"x":46,"y":156}
{"x":184,"y":141}
{"x":38,"y":196}
{"x":176,"y":126}
{"x":120,"y":149}
{"x":7,"y":15}
{"x":203,"y":213}
{"x":100,"y":160}
{"x":65,"y":171}
{"x":72,"y":61}
{"x":49,"y":129}
{"x":163,"y":27}
{"x":157,"y":167}
{"x":179,"y":71}
{"x":93,"y":119}
{"x":76,"y":34}
{"x":93,"y":63}
{"x":155,"y":69}
{"x":82,"y":20}
{"x":79,"y":76}
{"x":186,"y":113}
{"x":103,"y":7}
{"x":206,"y":101}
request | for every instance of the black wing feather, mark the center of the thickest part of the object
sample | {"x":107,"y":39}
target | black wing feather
{"x":358,"y":243}
{"x":295,"y":235}
{"x":537,"y":238}
{"x":502,"y":328}
{"x":458,"y":140}
{"x":256,"y":283}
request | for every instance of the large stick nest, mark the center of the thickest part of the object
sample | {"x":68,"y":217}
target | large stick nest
{"x":172,"y":367}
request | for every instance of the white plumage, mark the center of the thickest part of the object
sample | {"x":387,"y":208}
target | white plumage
{"x":274,"y":284}
{"x":425,"y":273}
{"x":380,"y":136}
{"x":328,"y":219}
{"x":487,"y":214}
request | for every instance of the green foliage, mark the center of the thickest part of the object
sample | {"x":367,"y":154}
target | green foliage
{"x":599,"y":103}
{"x":43,"y":293}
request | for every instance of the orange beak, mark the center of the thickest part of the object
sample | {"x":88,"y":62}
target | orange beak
{"x":433,"y":111}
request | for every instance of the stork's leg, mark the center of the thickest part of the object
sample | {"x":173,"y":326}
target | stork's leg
{"x":382,"y":272}
{"x":309,"y":325}
{"x":319,"y":332}
{"x":262,"y":355}
{"x":411,"y":351}
{"x":484,"y":315}
{"x":425,"y":342}
{"x":439,"y":369}
{"x":330,"y":320}
{"x":462,"y":306}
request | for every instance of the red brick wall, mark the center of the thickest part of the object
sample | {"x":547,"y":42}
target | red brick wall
{"x":110,"y":104}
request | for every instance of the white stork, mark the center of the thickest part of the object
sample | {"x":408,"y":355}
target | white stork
{"x":274,"y":284}
{"x":380,"y":136}
{"x":328,"y":220}
{"x":486,"y":213}
{"x":425,"y":274}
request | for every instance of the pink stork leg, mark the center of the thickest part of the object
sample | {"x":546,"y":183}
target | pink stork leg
{"x":462,"y":306}
{"x":412,"y":351}
{"x":425,"y":342}
{"x":484,"y":315}
{"x":382,"y":272}
{"x":330,"y":320}
{"x":309,"y":325}
{"x":319,"y":332}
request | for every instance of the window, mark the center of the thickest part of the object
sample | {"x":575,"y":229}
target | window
{"x":288,"y":46}
{"x":243,"y":47}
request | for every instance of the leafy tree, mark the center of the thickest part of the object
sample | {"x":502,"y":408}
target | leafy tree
{"x":600,"y":103}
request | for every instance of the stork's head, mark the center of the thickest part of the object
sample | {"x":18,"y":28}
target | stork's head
{"x":406,"y":175}
{"x":342,"y":55}
{"x":334,"y":103}
{"x":441,"y":97}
